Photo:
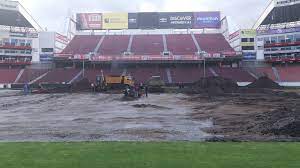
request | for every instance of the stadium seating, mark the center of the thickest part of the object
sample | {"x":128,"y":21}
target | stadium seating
{"x":8,"y":76}
{"x":181,"y":44}
{"x":143,"y":74}
{"x":262,"y":71}
{"x":213,"y":43}
{"x":289,"y":73}
{"x":59,"y":76}
{"x":82,"y":44}
{"x":236,"y":74}
{"x":147,"y":45}
{"x":188,"y":74}
{"x":114,"y":45}
{"x":31,"y":74}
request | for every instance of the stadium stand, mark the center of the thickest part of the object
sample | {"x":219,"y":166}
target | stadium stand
{"x":143,"y":74}
{"x":213,"y":43}
{"x":31,"y":74}
{"x":289,"y":73}
{"x":181,"y":44}
{"x":59,"y":76}
{"x":82,"y":44}
{"x":8,"y":76}
{"x":188,"y":74}
{"x":236,"y":74}
{"x":147,"y":45}
{"x":114,"y":45}
{"x":265,"y":71}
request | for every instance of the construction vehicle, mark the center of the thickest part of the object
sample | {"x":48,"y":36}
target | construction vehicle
{"x":156,"y":84}
{"x":113,"y":82}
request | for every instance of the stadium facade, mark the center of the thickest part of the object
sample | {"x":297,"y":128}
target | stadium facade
{"x":22,"y":40}
{"x":278,"y":32}
{"x":179,"y":47}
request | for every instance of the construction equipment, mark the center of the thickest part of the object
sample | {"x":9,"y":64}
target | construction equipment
{"x":156,"y":85}
{"x":113,"y":82}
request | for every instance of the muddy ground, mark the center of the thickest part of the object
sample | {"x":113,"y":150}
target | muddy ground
{"x":251,"y":115}
{"x":98,"y":117}
{"x":262,"y":115}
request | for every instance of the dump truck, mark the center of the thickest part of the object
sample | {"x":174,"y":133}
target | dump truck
{"x":113,"y":82}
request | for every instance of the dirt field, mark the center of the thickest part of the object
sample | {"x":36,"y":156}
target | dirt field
{"x":92,"y":117}
{"x":262,"y":116}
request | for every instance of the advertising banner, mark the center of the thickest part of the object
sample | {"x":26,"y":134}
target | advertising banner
{"x":89,"y":21}
{"x":148,"y":20}
{"x":248,"y":33}
{"x":278,"y":31}
{"x":207,"y":20}
{"x":114,"y":21}
{"x":132,"y":21}
{"x":176,"y":20}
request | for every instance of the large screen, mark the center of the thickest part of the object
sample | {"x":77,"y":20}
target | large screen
{"x":148,"y":20}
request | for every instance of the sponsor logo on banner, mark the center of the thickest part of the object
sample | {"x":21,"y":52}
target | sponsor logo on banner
{"x":89,"y":21}
{"x":248,"y":33}
{"x":233,"y":35}
{"x":132,"y":21}
{"x":179,"y":20}
{"x":278,"y":31}
{"x":207,"y":20}
{"x":115,"y":21}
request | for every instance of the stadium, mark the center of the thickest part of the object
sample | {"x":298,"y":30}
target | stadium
{"x":206,"y":82}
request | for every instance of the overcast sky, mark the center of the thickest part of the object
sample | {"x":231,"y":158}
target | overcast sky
{"x":53,"y":13}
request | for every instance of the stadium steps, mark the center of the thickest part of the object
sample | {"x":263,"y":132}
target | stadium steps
{"x":77,"y":77}
{"x":169,"y":76}
{"x":165,"y":43}
{"x":124,"y":72}
{"x":251,"y":73}
{"x":130,"y":43}
{"x":19,"y":76}
{"x":99,"y":44}
{"x":196,"y":42}
{"x":39,"y":78}
{"x":213,"y":72}
{"x":276,"y":73}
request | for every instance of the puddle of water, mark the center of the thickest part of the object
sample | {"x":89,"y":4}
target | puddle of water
{"x":84,"y":117}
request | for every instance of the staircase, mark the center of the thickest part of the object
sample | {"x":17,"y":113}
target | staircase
{"x":275,"y":71}
{"x":169,"y":76}
{"x":77,"y":77}
{"x":19,"y":76}
{"x":39,"y":78}
{"x":196,"y":42}
{"x":213,"y":72}
{"x":99,"y":44}
{"x":165,"y":43}
{"x":130,"y":43}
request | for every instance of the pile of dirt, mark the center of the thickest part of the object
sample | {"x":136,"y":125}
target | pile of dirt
{"x":213,"y":86}
{"x":264,"y":82}
{"x":283,"y":121}
{"x":81,"y":85}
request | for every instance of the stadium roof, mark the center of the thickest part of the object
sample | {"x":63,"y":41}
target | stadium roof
{"x":15,"y":15}
{"x":13,"y":18}
{"x":279,"y":12}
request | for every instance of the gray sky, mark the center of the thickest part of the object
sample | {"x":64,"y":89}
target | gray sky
{"x":53,"y":13}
